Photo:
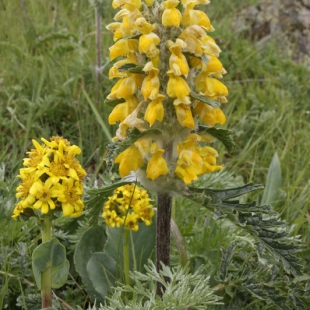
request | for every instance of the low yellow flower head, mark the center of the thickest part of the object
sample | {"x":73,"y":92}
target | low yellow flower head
{"x":169,"y":64}
{"x":129,"y":205}
{"x":51,"y":179}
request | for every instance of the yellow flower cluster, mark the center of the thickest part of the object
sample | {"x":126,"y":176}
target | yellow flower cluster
{"x":177,"y":85}
{"x":128,"y":206}
{"x":51,"y":179}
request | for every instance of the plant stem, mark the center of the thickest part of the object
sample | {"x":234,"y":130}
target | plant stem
{"x":126,"y":256}
{"x":164,"y":204}
{"x":46,"y":280}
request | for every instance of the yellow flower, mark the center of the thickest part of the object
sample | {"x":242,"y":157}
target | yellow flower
{"x":123,"y":47}
{"x":122,"y":110}
{"x":131,"y":222}
{"x":177,"y":87}
{"x":196,"y":17}
{"x":189,"y":166}
{"x":130,"y":160}
{"x":155,"y":110}
{"x":150,"y":84}
{"x":156,"y":166}
{"x":209,"y":115}
{"x":192,"y":36}
{"x":214,"y":67}
{"x":177,"y":61}
{"x":211,"y":87}
{"x":185,"y":116}
{"x":44,"y":193}
{"x":69,"y":193}
{"x":126,"y":87}
{"x":143,"y":26}
{"x":148,"y":43}
{"x":171,"y":15}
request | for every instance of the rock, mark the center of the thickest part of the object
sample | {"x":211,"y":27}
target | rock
{"x":285,"y":21}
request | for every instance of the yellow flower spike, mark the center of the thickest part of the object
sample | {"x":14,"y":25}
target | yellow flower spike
{"x":209,"y":115}
{"x":129,"y":160}
{"x":177,"y":86}
{"x":122,"y":110}
{"x":184,"y":115}
{"x":156,"y":166}
{"x":143,"y":26}
{"x":155,"y":110}
{"x":171,"y":15}
{"x":123,"y":47}
{"x":150,"y":85}
{"x":148,"y":43}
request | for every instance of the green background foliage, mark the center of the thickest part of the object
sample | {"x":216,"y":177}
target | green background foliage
{"x":49,"y":86}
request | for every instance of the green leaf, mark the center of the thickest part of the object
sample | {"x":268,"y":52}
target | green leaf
{"x":52,"y":255}
{"x":223,"y":135}
{"x":102,"y":272}
{"x":204,"y":99}
{"x":92,"y":241}
{"x":113,"y":103}
{"x":274,"y":182}
{"x":132,"y":68}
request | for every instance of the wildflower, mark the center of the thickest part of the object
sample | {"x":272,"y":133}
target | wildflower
{"x":51,"y":180}
{"x":128,"y":205}
{"x":174,"y":75}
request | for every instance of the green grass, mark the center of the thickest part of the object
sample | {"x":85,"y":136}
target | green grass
{"x":48,"y":87}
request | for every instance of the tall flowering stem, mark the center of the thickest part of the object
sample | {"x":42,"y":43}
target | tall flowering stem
{"x":46,"y":279}
{"x":167,"y":81}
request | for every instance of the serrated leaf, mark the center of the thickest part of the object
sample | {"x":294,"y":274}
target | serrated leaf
{"x":226,"y":259}
{"x":132,"y":68}
{"x":51,"y":254}
{"x":223,"y":135}
{"x":270,"y":232}
{"x":268,"y":293}
{"x":273,"y":182}
{"x":204,"y":99}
